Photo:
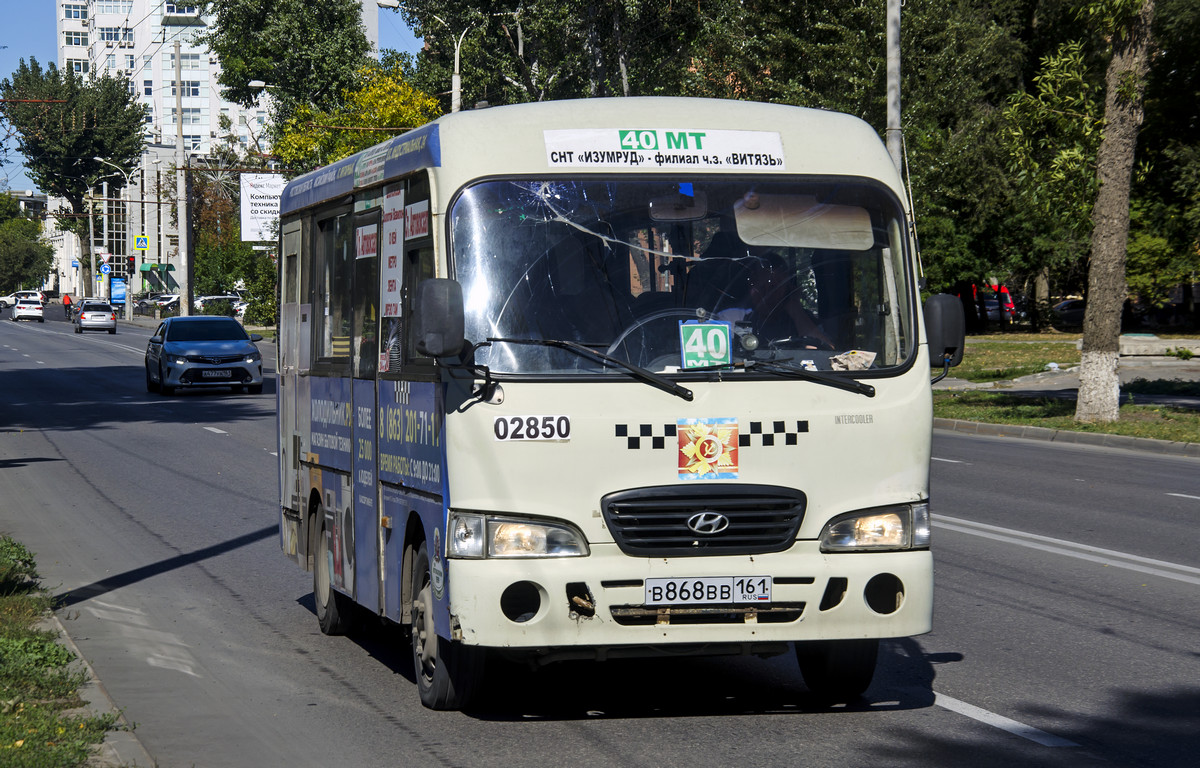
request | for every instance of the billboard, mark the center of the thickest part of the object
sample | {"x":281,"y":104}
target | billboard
{"x":260,"y":205}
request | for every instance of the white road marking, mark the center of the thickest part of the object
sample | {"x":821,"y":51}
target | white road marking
{"x":1166,"y":570}
{"x":1001,"y":722}
{"x":1184,"y":496}
{"x":948,"y":461}
{"x":217,"y":431}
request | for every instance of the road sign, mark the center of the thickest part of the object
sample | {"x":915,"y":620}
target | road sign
{"x":141,"y":243}
{"x":105,"y":269}
{"x":75,"y":265}
{"x":104,"y":257}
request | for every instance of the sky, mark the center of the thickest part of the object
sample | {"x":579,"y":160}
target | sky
{"x":30,"y":31}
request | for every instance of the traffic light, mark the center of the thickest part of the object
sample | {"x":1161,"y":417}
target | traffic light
{"x":132,"y":264}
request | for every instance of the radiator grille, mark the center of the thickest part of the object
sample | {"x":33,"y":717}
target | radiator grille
{"x":691,"y":521}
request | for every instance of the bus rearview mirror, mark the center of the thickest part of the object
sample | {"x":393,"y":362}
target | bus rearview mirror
{"x":438,"y":318}
{"x":946,"y":329}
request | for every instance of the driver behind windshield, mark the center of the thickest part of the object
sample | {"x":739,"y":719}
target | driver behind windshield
{"x":773,"y":307}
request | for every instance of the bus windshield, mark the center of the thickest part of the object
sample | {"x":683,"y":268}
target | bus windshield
{"x":675,"y":276}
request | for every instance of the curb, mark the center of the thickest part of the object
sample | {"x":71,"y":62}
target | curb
{"x":121,"y":747}
{"x":1146,"y":444}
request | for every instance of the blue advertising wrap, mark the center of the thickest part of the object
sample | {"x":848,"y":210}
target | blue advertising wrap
{"x":330,"y":419}
{"x":420,"y":148}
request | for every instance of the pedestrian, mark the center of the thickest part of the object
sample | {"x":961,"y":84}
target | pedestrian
{"x":67,"y":305}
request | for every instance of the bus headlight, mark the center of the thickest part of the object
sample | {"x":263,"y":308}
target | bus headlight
{"x":904,"y":526}
{"x":510,"y":537}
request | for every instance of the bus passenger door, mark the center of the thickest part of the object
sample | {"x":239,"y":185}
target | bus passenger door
{"x":293,"y":332}
{"x":368,"y":530}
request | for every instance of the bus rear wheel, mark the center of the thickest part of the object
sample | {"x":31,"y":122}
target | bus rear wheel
{"x":334,"y":610}
{"x":448,"y":673}
{"x":838,"y":671}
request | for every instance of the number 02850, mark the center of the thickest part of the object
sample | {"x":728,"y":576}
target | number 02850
{"x":532,"y":428}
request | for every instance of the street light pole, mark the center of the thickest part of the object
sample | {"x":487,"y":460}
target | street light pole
{"x":455,"y":79}
{"x":127,"y":200}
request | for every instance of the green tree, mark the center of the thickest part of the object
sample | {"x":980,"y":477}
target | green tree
{"x":63,"y":123}
{"x":308,"y":52}
{"x":381,"y":104}
{"x":1127,"y":25}
{"x":262,"y":291}
{"x":538,"y":50}
{"x":25,"y":259}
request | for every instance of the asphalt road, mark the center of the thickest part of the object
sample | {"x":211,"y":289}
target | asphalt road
{"x":1067,"y":624}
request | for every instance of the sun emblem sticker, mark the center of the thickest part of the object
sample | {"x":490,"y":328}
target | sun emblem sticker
{"x":708,"y":449}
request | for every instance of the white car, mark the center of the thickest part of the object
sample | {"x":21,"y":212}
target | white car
{"x":28,"y":309}
{"x":201,"y":301}
{"x":15,"y":296}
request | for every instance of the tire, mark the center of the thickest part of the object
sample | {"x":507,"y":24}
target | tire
{"x":151,"y":385}
{"x":334,"y":610}
{"x":163,"y":388}
{"x":448,"y":674}
{"x":837,"y":671}
{"x":254,"y":389}
{"x":112,"y":331}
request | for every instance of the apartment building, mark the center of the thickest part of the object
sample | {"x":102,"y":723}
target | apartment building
{"x":136,"y":39}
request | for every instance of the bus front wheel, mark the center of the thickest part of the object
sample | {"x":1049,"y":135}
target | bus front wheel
{"x":448,"y":673}
{"x":837,"y":671}
{"x":333,"y":608}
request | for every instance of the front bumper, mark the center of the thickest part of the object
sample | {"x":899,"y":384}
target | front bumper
{"x":814,"y":596}
{"x":205,"y":375}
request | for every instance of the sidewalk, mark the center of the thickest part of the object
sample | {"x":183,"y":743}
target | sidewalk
{"x":1064,"y":383}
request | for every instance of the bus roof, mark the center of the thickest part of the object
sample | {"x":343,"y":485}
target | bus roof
{"x":630,"y":135}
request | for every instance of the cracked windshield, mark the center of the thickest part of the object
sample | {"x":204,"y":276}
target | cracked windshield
{"x":701,"y":275}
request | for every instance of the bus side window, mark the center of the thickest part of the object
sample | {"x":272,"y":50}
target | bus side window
{"x":366,"y":296}
{"x":332,"y":330}
{"x":419,"y":265}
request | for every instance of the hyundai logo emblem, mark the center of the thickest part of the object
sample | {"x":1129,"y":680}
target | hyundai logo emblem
{"x":707,"y":523}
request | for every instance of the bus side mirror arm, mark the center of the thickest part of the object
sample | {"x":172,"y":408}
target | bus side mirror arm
{"x":946,"y":332}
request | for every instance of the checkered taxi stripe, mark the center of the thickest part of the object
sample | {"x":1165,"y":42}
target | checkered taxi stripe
{"x":766,"y":434}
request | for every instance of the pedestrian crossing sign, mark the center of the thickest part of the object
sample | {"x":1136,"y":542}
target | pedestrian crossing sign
{"x":141,"y":243}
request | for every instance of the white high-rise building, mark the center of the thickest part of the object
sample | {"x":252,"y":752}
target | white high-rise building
{"x":136,"y":39}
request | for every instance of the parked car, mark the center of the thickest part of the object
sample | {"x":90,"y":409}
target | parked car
{"x":28,"y":309}
{"x":200,"y":301}
{"x":95,"y":316}
{"x":992,"y":306}
{"x":203,"y":351}
{"x":1068,"y":315}
{"x":12,"y":298}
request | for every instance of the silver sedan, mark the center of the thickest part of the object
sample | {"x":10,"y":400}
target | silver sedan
{"x":203,"y":351}
{"x":94,"y":316}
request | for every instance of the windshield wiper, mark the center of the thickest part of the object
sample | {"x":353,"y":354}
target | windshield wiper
{"x":850,"y":385}
{"x":636,"y":371}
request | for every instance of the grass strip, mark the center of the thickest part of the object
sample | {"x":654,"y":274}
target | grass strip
{"x":990,"y":407}
{"x":39,"y":686}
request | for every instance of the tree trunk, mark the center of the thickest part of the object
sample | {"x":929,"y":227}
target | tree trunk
{"x":1125,"y":84}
